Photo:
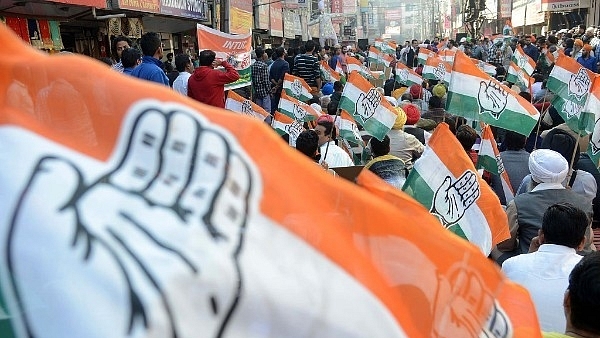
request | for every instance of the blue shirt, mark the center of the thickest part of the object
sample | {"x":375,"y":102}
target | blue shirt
{"x":590,"y":63}
{"x":128,"y":70}
{"x":277,"y":71}
{"x":150,"y":70}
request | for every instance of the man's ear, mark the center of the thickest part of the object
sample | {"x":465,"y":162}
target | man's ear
{"x":541,"y":238}
{"x":581,"y":244}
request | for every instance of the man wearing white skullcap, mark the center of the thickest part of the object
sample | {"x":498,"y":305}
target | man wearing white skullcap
{"x":548,"y":169}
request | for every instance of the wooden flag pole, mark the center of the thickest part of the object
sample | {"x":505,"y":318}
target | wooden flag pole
{"x":542,"y":114}
{"x":573,"y":159}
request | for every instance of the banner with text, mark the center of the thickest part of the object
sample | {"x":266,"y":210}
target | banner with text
{"x":235,"y":49}
{"x":240,"y":17}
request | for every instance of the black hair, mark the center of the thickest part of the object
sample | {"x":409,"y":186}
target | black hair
{"x":525,"y":95}
{"x":584,"y":293}
{"x":181,"y":61}
{"x":514,"y":141}
{"x":149,"y":43}
{"x":107,"y":60}
{"x":269,"y":52}
{"x":329,"y":130}
{"x":466,"y":136}
{"x":308,"y":143}
{"x":563,"y":143}
{"x":380,"y":148}
{"x":169,"y":54}
{"x":130,"y":57}
{"x":552,"y":39}
{"x":117,"y":40}
{"x":309,"y":46}
{"x":435,"y":102}
{"x":279,"y":51}
{"x":408,"y":97}
{"x":206,"y":57}
{"x":564,"y":224}
{"x":337,"y":86}
{"x":259,"y":52}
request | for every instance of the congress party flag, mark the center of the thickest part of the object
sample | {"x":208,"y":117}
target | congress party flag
{"x":386,"y":47}
{"x":338,"y":67}
{"x":487,"y":68}
{"x":328,"y":74}
{"x":353,"y":64}
{"x":239,"y":104}
{"x":447,"y":55}
{"x":374,"y":55}
{"x":571,"y":84}
{"x":523,"y":61}
{"x":518,"y":76}
{"x":475,"y":95}
{"x":285,"y":125}
{"x":367,"y":106}
{"x":296,"y":87}
{"x":444,"y":180}
{"x":593,"y":104}
{"x":296,"y":109}
{"x":347,"y":128}
{"x":164,"y":217}
{"x":548,"y":58}
{"x":490,"y":160}
{"x":436,"y":69}
{"x":424,"y":54}
{"x":407,"y":76}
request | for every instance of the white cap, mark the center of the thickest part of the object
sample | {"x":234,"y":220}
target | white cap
{"x":463,"y":39}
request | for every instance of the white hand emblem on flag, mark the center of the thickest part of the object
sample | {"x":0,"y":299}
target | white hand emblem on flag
{"x":246,"y":107}
{"x":579,"y":84}
{"x":522,"y":62}
{"x":403,"y":75}
{"x":294,"y":129}
{"x":299,"y":112}
{"x":492,"y":98}
{"x":296,"y":88}
{"x":177,"y":178}
{"x":571,"y":109}
{"x":439,"y":72}
{"x":367,"y":104}
{"x":452,"y":199}
{"x":595,"y":139}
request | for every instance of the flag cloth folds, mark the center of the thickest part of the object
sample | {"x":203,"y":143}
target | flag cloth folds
{"x":490,"y":160}
{"x":444,"y":180}
{"x":347,"y":128}
{"x":475,"y":95}
{"x":593,"y":104}
{"x":423,"y":55}
{"x":285,"y":125}
{"x":297,"y":109}
{"x":113,"y":212}
{"x":571,"y":84}
{"x":487,"y":68}
{"x":354,"y":64}
{"x":436,"y":69}
{"x":367,"y":106}
{"x":523,"y":61}
{"x":375,"y":55}
{"x":296,"y":87}
{"x":447,"y":55}
{"x":328,"y":74}
{"x":407,"y":76}
{"x":239,"y":104}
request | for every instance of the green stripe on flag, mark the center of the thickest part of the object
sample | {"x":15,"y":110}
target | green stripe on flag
{"x":582,"y":124}
{"x":488,"y":163}
{"x":372,"y":125}
{"x":468,"y":107}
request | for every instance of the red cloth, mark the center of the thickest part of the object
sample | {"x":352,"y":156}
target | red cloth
{"x":207,"y":84}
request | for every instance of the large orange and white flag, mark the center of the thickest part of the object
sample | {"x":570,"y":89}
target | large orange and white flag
{"x":447,"y":55}
{"x":328,"y":74}
{"x":285,"y":125}
{"x":235,"y":102}
{"x":296,"y":87}
{"x":297,"y":109}
{"x":489,"y":159}
{"x":436,"y":69}
{"x":153,"y":215}
{"x":446,"y":182}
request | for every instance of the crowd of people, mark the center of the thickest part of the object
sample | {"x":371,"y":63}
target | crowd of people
{"x":552,"y":245}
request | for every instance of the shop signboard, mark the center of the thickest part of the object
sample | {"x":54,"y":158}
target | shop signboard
{"x":263,"y":9}
{"x":149,"y":6}
{"x":91,"y":3}
{"x":240,"y":16}
{"x":276,"y":19}
{"x":559,"y":5}
{"x":393,"y":14}
{"x":505,"y":8}
{"x":337,"y":7}
{"x":303,"y":3}
{"x":289,"y":24}
{"x":235,"y":49}
{"x":194,"y":9}
{"x":349,"y":6}
{"x":291,"y":3}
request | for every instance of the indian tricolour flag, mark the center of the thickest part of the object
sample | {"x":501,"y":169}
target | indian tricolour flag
{"x":487,"y":68}
{"x":424,"y":54}
{"x":475,"y":95}
{"x":239,"y":104}
{"x":548,"y":58}
{"x":594,"y":105}
{"x":367,"y":106}
{"x":338,"y":67}
{"x":489,"y":159}
{"x":284,"y":124}
{"x":347,"y":128}
{"x":571,"y":84}
{"x":436,"y":69}
{"x":328,"y":74}
{"x":297,"y":109}
{"x":375,"y":55}
{"x":296,"y":87}
{"x":447,"y":55}
{"x":353,"y":64}
{"x":407,"y":76}
{"x":518,"y":76}
{"x":385,"y":47}
{"x":445,"y":181}
{"x":523,"y":61}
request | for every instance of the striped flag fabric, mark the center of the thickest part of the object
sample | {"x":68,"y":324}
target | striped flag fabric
{"x":436,"y":69}
{"x":487,"y":68}
{"x":347,"y":127}
{"x":447,"y":55}
{"x":296,"y":87}
{"x":297,"y":109}
{"x":445,"y":182}
{"x":407,"y":76}
{"x":285,"y":125}
{"x":548,"y":58}
{"x":571,"y":84}
{"x":354,"y":65}
{"x":374,"y":55}
{"x":518,"y":76}
{"x":338,"y":67}
{"x":489,"y":159}
{"x":423,"y":55}
{"x":523,"y":61}
{"x":161,"y":195}
{"x":328,"y":74}
{"x":475,"y":95}
{"x":242,"y":105}
{"x":386,"y":47}
{"x":594,"y":105}
{"x":367,"y":106}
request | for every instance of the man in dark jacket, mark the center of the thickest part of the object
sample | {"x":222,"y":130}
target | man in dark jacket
{"x":150,"y":69}
{"x":207,"y":84}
